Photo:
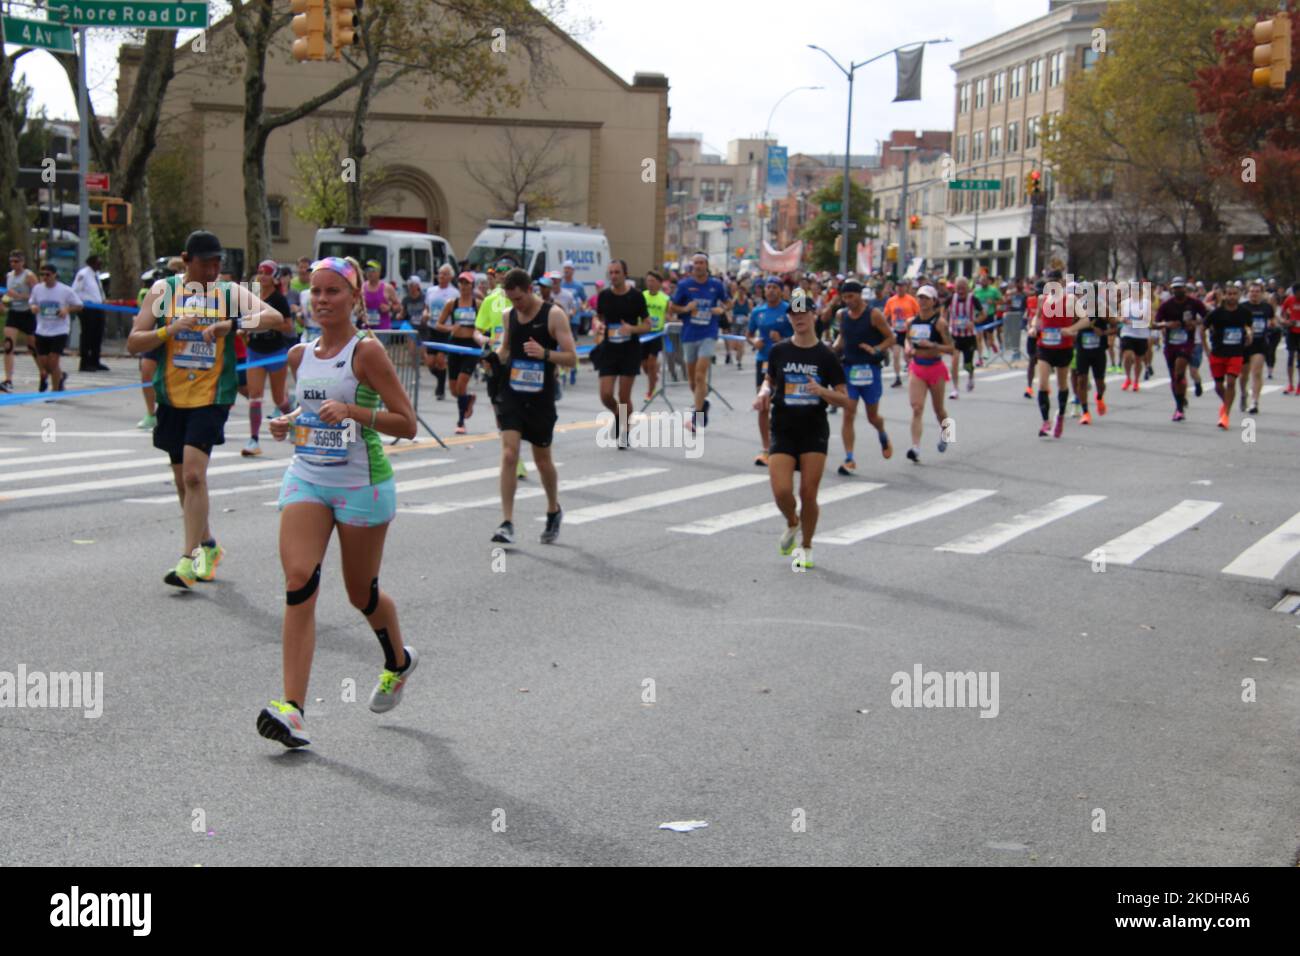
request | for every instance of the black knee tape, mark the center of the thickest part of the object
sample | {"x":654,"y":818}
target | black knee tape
{"x":370,"y":608}
{"x":305,"y":592}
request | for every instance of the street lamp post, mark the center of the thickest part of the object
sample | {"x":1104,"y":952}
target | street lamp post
{"x":766,"y":132}
{"x":907,"y":152}
{"x":848,"y":138}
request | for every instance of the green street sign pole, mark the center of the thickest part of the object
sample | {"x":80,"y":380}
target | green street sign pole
{"x":38,"y":33}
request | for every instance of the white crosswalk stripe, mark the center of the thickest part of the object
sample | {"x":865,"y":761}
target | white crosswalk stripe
{"x":67,"y":456}
{"x":1132,"y":545}
{"x":1270,"y":554}
{"x":881,"y":524}
{"x":154,"y":478}
{"x":737,"y":519}
{"x":996,"y":535}
{"x":567,"y":485}
{"x":460,"y":478}
{"x":659,"y":499}
{"x":150,"y":462}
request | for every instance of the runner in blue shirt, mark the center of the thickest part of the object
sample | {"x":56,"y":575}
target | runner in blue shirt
{"x":700,"y":299}
{"x":863,"y":342}
{"x":769,"y":323}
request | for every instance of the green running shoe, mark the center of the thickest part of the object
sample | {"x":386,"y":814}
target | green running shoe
{"x":148,"y":423}
{"x":282,"y":723}
{"x":787,"y":540}
{"x":182,"y":576}
{"x":206,"y":560}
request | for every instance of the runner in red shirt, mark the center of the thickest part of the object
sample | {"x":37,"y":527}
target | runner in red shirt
{"x":1291,"y":322}
{"x":1060,"y":314}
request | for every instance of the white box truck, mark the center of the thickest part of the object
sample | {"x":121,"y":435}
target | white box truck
{"x":543,"y":247}
{"x":399,"y":254}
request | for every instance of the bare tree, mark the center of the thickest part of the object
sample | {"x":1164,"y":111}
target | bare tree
{"x":525,"y":173}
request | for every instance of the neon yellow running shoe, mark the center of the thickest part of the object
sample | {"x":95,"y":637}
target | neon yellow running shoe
{"x":282,"y":723}
{"x":521,"y":470}
{"x":787,"y":540}
{"x":182,"y":576}
{"x":206,"y":560}
{"x":388,"y":692}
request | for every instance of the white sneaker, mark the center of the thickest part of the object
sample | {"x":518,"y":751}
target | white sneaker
{"x":388,"y":692}
{"x":252,"y":449}
{"x":805,"y":559}
{"x":787,"y":539}
{"x":953,"y":394}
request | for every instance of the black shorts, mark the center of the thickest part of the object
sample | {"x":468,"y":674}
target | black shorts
{"x":24,"y":322}
{"x":1056,"y":358}
{"x":458,"y":364}
{"x":429,"y":334}
{"x":1031,"y":345}
{"x":200,"y":427}
{"x":965,"y":344}
{"x":799,"y":440}
{"x":1258,"y":346}
{"x":1136,"y":346}
{"x":1293,"y":341}
{"x":618,"y":358}
{"x":51,"y":344}
{"x":653,"y":347}
{"x":533,"y":418}
{"x":1091,"y":360}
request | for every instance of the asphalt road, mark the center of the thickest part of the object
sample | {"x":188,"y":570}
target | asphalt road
{"x":530,"y":734}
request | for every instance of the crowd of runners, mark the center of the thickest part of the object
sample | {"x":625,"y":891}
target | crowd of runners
{"x":820,"y":346}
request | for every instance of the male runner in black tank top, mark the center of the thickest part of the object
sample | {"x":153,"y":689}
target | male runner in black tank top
{"x":536,"y":338}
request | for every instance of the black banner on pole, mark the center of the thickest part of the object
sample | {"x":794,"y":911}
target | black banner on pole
{"x":909,"y":73}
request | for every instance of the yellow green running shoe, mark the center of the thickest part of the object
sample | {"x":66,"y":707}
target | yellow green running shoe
{"x":182,"y":576}
{"x":388,"y":692}
{"x":206,"y":560}
{"x":282,"y":723}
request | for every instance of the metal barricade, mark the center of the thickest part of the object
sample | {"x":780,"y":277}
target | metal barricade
{"x":673,"y":360}
{"x":404,"y":351}
{"x":1011,"y":330}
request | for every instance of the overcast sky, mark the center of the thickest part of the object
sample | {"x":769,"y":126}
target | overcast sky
{"x":729,"y":62}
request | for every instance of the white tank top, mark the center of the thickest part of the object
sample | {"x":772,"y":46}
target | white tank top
{"x":17,"y":282}
{"x":335,"y":456}
{"x":1136,"y":324}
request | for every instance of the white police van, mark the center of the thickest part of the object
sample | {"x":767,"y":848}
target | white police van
{"x":542,"y":248}
{"x":399,"y":254}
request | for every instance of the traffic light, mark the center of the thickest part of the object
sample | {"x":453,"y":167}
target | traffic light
{"x":839,"y":243}
{"x":346,"y":19}
{"x":1272,"y":52}
{"x":309,"y":28}
{"x":115,"y":214}
{"x":914,"y":222}
{"x":891,"y":252}
{"x":1034,"y":183}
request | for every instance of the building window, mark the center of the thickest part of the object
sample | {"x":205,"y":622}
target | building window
{"x":961,"y":148}
{"x":999,"y":84}
{"x":1013,"y":138}
{"x":1009,"y":192}
{"x":1031,"y":132}
{"x":686,"y":186}
{"x":963,"y":98}
{"x":981,"y":88}
{"x":1036,"y":75}
{"x":995,"y":142}
{"x":1017,"y":81}
{"x":706,"y":190}
{"x":1090,"y":58}
{"x":977,"y":146}
{"x":276,"y":206}
{"x":1056,"y":69}
{"x":724,"y":190}
{"x":1049,"y":185}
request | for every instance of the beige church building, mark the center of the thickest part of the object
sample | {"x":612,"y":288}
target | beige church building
{"x":610,"y":136}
